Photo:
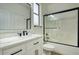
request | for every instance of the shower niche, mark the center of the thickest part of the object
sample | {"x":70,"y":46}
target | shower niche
{"x":62,"y":27}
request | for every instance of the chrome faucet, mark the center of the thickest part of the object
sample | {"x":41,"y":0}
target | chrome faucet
{"x":20,"y":34}
{"x":25,"y":33}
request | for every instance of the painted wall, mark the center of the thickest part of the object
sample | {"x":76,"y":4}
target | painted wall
{"x":55,"y":7}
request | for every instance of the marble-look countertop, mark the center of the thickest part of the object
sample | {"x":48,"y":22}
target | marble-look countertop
{"x":6,"y":42}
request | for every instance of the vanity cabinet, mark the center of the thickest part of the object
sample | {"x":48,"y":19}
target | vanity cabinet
{"x":17,"y":50}
{"x":35,"y":47}
{"x":32,"y":47}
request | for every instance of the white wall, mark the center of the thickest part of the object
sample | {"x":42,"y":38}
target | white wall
{"x":55,"y":7}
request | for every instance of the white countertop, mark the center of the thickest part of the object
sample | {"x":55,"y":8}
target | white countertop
{"x":5,"y":42}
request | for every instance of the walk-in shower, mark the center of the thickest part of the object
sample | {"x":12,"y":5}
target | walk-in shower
{"x":62,"y":27}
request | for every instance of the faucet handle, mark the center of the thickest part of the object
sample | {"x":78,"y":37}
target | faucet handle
{"x":19,"y":34}
{"x":25,"y":33}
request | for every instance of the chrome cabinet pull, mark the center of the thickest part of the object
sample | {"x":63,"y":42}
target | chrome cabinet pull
{"x":35,"y":43}
{"x":16,"y":52}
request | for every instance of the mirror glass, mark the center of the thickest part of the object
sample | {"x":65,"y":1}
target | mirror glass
{"x":13,"y":16}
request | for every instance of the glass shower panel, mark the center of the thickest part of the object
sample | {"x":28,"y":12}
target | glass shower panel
{"x":62,"y":27}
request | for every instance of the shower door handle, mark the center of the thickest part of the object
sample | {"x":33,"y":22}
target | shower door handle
{"x":47,"y":34}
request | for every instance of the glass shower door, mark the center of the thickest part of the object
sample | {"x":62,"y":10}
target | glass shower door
{"x":62,"y":28}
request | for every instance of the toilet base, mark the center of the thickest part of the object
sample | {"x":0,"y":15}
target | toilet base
{"x":47,"y":52}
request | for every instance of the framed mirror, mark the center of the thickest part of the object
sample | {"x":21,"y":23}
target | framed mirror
{"x":12,"y":17}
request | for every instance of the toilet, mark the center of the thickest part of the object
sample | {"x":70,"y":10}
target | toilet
{"x":48,"y":48}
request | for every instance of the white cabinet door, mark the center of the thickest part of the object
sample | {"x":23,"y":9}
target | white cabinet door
{"x":34,"y":51}
{"x":35,"y":47}
{"x":38,"y":51}
{"x":18,"y":50}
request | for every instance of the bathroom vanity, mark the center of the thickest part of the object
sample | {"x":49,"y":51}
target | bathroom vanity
{"x":25,"y":45}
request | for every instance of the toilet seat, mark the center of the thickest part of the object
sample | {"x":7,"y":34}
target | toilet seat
{"x":48,"y":47}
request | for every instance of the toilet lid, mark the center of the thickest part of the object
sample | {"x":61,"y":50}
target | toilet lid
{"x":48,"y":47}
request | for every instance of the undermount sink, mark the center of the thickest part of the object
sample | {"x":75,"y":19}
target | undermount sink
{"x":29,"y":36}
{"x":9,"y":39}
{"x":17,"y":38}
{"x":12,"y":39}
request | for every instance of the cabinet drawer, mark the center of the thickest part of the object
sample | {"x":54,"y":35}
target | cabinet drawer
{"x":18,"y":50}
{"x":35,"y":43}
